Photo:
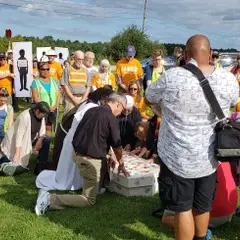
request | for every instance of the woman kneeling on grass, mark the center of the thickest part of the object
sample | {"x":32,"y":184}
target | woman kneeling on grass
{"x":26,"y":135}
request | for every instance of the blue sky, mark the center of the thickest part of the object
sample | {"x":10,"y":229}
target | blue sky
{"x":170,"y":21}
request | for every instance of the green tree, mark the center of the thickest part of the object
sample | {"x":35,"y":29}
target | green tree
{"x":132,"y":36}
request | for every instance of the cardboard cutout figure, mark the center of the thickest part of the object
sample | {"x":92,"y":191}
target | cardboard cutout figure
{"x":22,"y":65}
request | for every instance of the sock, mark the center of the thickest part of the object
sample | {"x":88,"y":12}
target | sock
{"x":199,"y":238}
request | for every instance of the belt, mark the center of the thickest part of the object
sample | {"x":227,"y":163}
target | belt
{"x":79,"y":154}
{"x":78,"y":95}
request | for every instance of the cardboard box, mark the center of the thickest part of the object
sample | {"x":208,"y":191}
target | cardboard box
{"x":142,"y":180}
{"x":147,"y":191}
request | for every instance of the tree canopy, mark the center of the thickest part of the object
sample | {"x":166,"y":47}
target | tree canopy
{"x":112,"y":50}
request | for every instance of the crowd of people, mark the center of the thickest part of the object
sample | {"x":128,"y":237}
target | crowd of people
{"x":157,"y":114}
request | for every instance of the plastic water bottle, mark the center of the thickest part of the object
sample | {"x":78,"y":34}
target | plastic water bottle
{"x":209,"y":234}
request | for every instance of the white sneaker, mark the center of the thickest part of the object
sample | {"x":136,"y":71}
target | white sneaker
{"x":43,"y":202}
{"x":101,"y":191}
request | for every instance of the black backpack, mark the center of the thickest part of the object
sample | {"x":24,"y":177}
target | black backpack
{"x":227,"y":141}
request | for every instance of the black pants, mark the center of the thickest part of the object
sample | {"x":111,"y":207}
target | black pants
{"x":182,"y":194}
{"x":23,"y":80}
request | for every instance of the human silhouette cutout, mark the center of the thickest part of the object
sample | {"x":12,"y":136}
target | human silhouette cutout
{"x":60,"y":58}
{"x":22,"y":65}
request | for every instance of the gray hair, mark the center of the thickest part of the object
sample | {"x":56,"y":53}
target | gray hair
{"x":78,"y":52}
{"x":89,"y":54}
{"x":117,"y":97}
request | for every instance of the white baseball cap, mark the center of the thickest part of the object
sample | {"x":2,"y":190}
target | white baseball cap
{"x":130,"y":101}
{"x":51,"y":53}
{"x":44,"y":59}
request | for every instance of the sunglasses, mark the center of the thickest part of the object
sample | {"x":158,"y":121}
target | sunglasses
{"x":133,"y":89}
{"x":45,"y":69}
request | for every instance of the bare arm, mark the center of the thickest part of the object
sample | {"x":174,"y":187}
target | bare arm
{"x":10,"y":118}
{"x":35,"y":95}
{"x":6,"y":74}
{"x":120,"y":83}
{"x":58,"y":99}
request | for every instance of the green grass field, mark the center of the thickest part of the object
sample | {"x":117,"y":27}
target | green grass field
{"x":114,"y":217}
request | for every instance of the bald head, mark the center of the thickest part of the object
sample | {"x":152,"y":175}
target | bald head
{"x":198,"y":48}
{"x":78,"y":58}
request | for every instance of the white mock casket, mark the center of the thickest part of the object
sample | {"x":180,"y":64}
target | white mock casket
{"x":142,"y":180}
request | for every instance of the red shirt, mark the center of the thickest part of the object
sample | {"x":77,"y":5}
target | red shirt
{"x":226,"y":198}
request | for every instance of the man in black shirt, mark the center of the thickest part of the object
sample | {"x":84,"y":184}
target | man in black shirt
{"x":96,"y":133}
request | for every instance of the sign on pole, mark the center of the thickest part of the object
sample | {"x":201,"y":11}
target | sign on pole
{"x":22,"y":65}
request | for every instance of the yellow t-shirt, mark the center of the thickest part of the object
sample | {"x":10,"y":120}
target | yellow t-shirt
{"x":140,"y":105}
{"x":129,"y":70}
{"x":56,"y":70}
{"x":98,"y":82}
{"x":7,"y":81}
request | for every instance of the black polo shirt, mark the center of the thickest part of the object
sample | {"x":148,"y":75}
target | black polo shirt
{"x":97,"y":131}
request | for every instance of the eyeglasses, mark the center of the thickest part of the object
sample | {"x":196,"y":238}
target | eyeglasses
{"x":79,"y":59}
{"x":133,"y":89}
{"x":121,"y":104}
{"x":45,"y":69}
{"x":2,"y":59}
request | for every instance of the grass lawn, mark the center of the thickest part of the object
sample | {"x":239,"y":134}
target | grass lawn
{"x":114,"y":217}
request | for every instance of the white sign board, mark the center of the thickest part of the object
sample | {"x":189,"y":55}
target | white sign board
{"x":62,"y":54}
{"x":41,"y":51}
{"x":22,"y":65}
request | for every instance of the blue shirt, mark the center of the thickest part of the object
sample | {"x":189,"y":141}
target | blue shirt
{"x":45,"y":85}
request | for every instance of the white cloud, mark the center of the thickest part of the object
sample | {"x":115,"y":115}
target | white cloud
{"x":217,"y":19}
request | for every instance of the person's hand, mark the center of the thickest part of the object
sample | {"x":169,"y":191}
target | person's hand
{"x":127,"y":148}
{"x":11,"y":75}
{"x":136,"y":151}
{"x":121,"y":168}
{"x":38,"y":145}
{"x":77,"y":101}
{"x":144,"y":150}
{"x":112,"y":162}
{"x":16,"y":158}
{"x":150,"y":161}
{"x":52,"y":109}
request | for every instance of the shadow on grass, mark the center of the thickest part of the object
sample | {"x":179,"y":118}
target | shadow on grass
{"x":113,"y":217}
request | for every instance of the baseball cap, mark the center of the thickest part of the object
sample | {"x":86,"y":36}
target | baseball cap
{"x":51,"y":53}
{"x":44,"y":59}
{"x":2,"y":55}
{"x":130,"y":101}
{"x":130,"y":51}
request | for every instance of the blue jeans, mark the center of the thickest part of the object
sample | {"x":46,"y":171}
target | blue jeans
{"x":43,"y":155}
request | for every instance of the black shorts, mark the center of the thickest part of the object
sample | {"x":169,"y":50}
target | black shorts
{"x":51,"y":118}
{"x":182,"y":194}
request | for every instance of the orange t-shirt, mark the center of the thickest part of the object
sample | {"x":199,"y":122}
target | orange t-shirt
{"x":56,"y":70}
{"x":129,"y":70}
{"x":98,"y":82}
{"x":7,"y":81}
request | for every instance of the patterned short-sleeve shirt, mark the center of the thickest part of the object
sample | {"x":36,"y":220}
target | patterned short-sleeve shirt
{"x":186,"y":138}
